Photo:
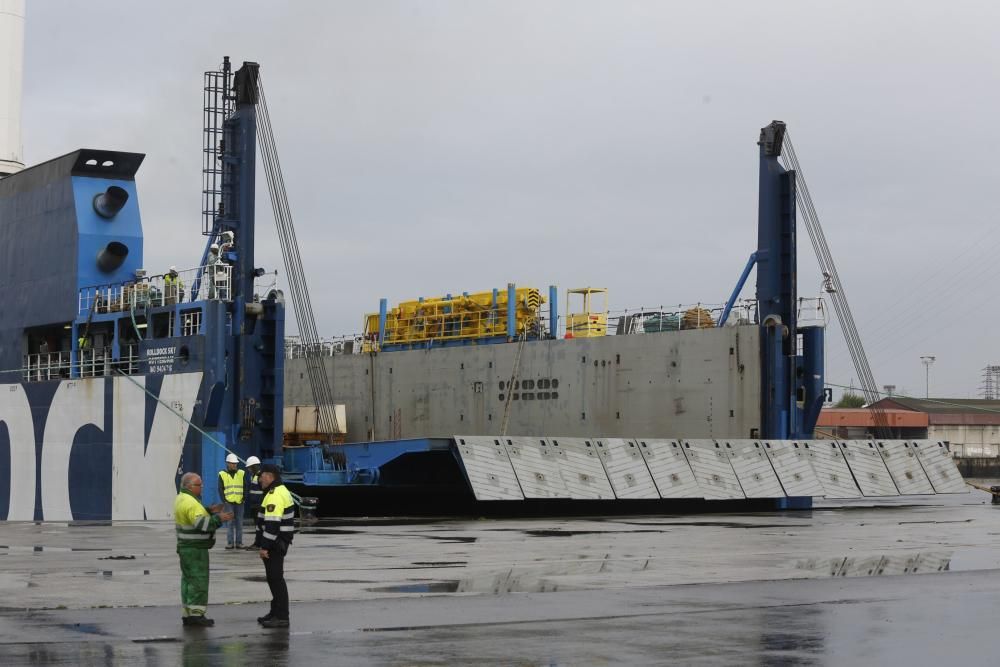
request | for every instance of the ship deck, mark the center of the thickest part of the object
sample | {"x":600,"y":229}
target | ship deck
{"x":844,"y":584}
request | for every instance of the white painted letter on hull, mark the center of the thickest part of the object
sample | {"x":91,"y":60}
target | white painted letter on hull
{"x":143,"y":484}
{"x":15,"y":412}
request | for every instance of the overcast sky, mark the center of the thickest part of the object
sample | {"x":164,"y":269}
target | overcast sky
{"x":441,"y":147}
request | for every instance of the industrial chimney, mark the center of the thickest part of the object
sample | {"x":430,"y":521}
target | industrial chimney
{"x":11,"y":80}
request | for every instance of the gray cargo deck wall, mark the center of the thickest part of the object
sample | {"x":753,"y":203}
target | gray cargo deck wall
{"x":691,"y":384}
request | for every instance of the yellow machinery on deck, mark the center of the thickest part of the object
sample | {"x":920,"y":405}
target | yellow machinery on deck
{"x":588,"y":322}
{"x":461,"y":319}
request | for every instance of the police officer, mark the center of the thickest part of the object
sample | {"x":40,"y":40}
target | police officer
{"x":275,"y":530}
{"x":231,"y":487}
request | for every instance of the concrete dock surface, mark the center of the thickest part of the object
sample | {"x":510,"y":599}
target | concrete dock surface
{"x":841,"y":584}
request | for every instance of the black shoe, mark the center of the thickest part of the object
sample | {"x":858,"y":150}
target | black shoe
{"x":275,"y":623}
{"x":198,"y":621}
{"x":264,"y":619}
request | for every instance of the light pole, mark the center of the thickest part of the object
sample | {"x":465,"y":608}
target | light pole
{"x":927,"y":360}
{"x":890,"y":389}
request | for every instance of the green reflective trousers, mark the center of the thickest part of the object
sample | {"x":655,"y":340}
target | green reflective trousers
{"x":194,"y":580}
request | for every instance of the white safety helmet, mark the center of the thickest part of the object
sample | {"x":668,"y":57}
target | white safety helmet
{"x":253,"y":461}
{"x":232,"y":458}
{"x":214,"y":247}
{"x":173,"y":269}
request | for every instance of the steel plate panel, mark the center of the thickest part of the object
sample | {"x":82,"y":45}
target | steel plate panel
{"x":488,"y":468}
{"x":901,"y":460}
{"x":536,"y":467}
{"x":753,"y":468}
{"x":940,"y":467}
{"x":626,"y":468}
{"x":791,"y":464}
{"x":581,"y":468}
{"x":670,"y":468}
{"x":831,"y":469}
{"x":868,"y":467}
{"x":716,"y":477}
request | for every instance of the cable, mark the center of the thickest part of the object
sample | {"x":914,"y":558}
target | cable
{"x":824,"y":257}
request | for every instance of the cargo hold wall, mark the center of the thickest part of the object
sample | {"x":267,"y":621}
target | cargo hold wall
{"x":701,"y":383}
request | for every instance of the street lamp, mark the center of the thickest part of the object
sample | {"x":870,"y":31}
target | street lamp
{"x":927,"y":361}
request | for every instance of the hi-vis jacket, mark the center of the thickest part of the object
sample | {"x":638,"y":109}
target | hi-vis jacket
{"x":195,"y":526}
{"x":231,"y":486}
{"x":276,"y":518}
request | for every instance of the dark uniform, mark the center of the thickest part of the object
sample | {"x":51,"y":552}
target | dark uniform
{"x":275,"y":531}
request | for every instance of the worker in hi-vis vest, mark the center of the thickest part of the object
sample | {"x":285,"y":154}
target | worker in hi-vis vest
{"x":231,"y":488}
{"x":195,"y":528}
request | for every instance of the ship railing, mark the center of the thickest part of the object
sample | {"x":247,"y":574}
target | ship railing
{"x":90,"y":363}
{"x":681,"y":317}
{"x":327,"y":347}
{"x":160,"y":290}
{"x":43,"y":366}
{"x":813,"y":312}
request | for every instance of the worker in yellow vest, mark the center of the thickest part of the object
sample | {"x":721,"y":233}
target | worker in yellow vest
{"x":195,"y":526}
{"x":231,"y":487}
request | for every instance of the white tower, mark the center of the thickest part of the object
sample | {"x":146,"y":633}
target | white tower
{"x":11,"y":81}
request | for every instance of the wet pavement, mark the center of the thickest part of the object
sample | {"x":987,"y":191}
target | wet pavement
{"x":836,"y":585}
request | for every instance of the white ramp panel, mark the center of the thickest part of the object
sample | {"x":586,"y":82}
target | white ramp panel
{"x":753,"y":468}
{"x":939,"y":466}
{"x":793,"y":468}
{"x":901,"y":460}
{"x":581,"y":469}
{"x":626,"y":469}
{"x":488,"y":468}
{"x":536,"y":467}
{"x":868,"y":467}
{"x":712,"y":469}
{"x":670,"y":469}
{"x":831,"y":469}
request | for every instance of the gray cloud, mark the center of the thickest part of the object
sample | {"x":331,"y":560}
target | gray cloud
{"x":447,"y":146}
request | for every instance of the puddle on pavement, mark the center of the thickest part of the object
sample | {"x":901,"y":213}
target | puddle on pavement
{"x":456,"y":539}
{"x":107,"y":574}
{"x":428,"y":587}
{"x":15,"y":548}
{"x":441,"y":563}
{"x":327,"y":531}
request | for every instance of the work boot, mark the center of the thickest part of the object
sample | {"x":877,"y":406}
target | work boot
{"x":198,"y":621}
{"x":275,"y":623}
{"x":229,"y":546}
{"x":264,"y":619}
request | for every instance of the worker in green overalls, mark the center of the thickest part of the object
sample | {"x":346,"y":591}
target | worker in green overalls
{"x":196,"y":528}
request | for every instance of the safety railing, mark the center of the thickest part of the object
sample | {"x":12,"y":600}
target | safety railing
{"x":328,"y":347}
{"x":642,"y":320}
{"x":162,"y":290}
{"x":98,"y":362}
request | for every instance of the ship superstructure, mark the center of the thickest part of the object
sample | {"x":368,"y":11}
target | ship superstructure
{"x":115,"y":379}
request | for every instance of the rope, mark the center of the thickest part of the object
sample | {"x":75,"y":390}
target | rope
{"x":191,"y":424}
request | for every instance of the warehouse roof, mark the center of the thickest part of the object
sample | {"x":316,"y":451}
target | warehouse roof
{"x":947,"y":410}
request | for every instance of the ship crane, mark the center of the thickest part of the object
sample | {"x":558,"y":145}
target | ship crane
{"x":220,"y":97}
